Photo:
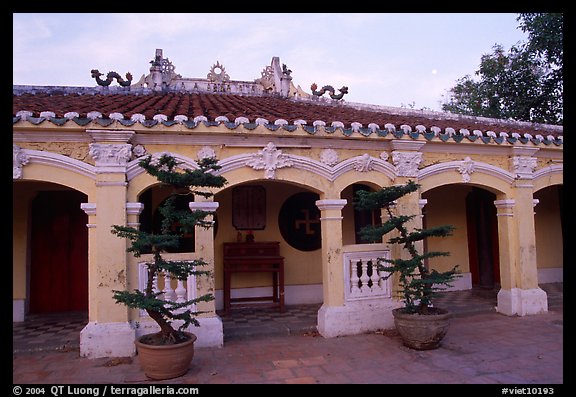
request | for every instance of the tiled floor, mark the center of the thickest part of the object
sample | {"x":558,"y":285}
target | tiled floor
{"x":62,"y":332}
{"x":242,"y":323}
{"x":482,"y":348}
{"x":59,"y":331}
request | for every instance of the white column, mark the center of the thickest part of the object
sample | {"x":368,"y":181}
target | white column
{"x":211,"y":330}
{"x":108,"y":332}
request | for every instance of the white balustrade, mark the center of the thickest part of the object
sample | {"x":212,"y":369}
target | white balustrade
{"x":362,"y":278}
{"x":184,"y":289}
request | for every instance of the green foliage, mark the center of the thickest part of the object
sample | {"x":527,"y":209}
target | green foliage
{"x":525,"y":83}
{"x":174,"y":225}
{"x":418,"y":284}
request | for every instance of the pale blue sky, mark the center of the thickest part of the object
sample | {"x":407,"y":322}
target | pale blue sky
{"x":384,"y":59}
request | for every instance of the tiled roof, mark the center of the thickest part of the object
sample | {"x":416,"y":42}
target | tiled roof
{"x":59,"y":107}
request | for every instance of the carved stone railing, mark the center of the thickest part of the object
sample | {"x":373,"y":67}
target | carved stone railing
{"x":362,"y":278}
{"x":172,"y":289}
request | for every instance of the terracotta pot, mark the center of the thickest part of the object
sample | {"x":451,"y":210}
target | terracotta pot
{"x":166,"y":361}
{"x":422,"y":332}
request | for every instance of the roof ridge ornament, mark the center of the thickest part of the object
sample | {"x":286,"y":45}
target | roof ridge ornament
{"x":111,"y":76}
{"x":330,"y":89}
{"x":220,"y":76}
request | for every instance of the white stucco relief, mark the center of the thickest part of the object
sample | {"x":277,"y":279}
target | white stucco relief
{"x":19,"y":159}
{"x":266,"y":158}
{"x":269,"y":159}
{"x":478,"y":166}
{"x":110,"y":154}
{"x":406,"y":163}
{"x":466,"y":168}
{"x":329,"y":157}
{"x":523,"y":166}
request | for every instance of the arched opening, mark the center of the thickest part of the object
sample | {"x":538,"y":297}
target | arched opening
{"x":151,"y":218}
{"x":272,"y":211}
{"x":58,"y":251}
{"x":549,"y":225}
{"x":474,"y":243}
{"x":355,"y":219}
{"x":482,"y":226}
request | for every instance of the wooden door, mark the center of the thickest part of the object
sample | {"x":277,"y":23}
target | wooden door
{"x":59,"y":253}
{"x":482,"y":228}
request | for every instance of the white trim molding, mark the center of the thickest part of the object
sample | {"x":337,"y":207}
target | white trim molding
{"x":60,"y":161}
{"x":477,"y":167}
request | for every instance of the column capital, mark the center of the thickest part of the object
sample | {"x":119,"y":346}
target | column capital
{"x":90,"y":210}
{"x":134,"y":208}
{"x":505,"y":203}
{"x":207,"y":206}
{"x":331,"y":204}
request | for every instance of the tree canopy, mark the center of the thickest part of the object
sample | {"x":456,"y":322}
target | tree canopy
{"x":524,"y":83}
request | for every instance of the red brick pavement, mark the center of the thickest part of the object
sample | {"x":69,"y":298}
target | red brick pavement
{"x":482,"y":348}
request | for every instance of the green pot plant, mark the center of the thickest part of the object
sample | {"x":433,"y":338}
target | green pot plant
{"x":421,"y":325}
{"x":167,"y":353}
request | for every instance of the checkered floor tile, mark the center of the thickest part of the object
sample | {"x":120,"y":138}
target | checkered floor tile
{"x":62,"y":331}
{"x":49,"y":332}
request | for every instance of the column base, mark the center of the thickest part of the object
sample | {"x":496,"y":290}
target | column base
{"x":107,"y":340}
{"x":356,"y":317}
{"x":18,"y":309}
{"x":210,"y":333}
{"x":522,"y":302}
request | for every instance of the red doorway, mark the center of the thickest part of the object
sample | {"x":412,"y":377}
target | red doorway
{"x":483,"y":248}
{"x":59,"y":253}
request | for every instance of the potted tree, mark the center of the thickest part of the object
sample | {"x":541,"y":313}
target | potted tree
{"x":167,"y":354}
{"x":421,"y":325}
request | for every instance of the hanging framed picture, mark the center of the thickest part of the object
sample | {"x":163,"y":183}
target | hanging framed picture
{"x":249,"y":207}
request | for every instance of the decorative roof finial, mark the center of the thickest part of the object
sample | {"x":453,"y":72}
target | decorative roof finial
{"x":218,"y":73}
{"x":111,"y":76}
{"x":285,"y":70}
{"x":329,"y":88}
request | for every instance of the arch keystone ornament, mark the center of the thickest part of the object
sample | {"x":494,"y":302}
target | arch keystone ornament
{"x":466,"y":169}
{"x":19,"y":158}
{"x":269,"y":159}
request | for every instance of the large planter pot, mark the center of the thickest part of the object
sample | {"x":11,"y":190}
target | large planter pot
{"x":165,"y":361}
{"x":422,"y":332}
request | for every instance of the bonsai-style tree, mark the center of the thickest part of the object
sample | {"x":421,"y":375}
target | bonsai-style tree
{"x":175,"y":223}
{"x":418,"y":284}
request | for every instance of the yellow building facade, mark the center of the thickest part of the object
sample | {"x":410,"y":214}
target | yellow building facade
{"x":502,"y":190}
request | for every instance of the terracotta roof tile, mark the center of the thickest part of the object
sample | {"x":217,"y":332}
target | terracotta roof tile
{"x":252,"y":107}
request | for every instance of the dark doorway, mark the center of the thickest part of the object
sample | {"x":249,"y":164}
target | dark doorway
{"x":483,"y":250}
{"x":364,"y":218}
{"x":59,"y":253}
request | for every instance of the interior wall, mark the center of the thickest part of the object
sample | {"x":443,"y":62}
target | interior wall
{"x":447,"y":205}
{"x":549,"y":242}
{"x":300,"y":267}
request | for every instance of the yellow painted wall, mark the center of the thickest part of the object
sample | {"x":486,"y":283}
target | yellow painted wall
{"x":447,"y":205}
{"x":549,"y":246}
{"x":299,"y":267}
